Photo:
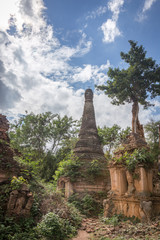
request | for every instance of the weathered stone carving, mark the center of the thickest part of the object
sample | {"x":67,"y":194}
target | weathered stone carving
{"x":146,"y":211}
{"x":130,"y":181}
{"x":20,"y":202}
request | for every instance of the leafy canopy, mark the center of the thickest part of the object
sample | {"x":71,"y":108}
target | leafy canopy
{"x":111,"y":137}
{"x":152,"y":137}
{"x":44,"y":140}
{"x":138,"y":82}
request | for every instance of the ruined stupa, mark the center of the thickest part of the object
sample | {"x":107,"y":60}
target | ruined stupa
{"x":89,"y":152}
{"x":88,"y":146}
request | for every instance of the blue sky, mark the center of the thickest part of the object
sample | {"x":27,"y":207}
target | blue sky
{"x":52,"y":50}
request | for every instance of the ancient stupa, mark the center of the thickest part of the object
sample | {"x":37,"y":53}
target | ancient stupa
{"x":88,"y":149}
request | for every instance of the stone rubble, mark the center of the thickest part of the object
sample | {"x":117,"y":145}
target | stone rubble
{"x":124,"y":230}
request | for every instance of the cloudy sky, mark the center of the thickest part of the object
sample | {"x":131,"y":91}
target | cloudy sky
{"x":52,"y":50}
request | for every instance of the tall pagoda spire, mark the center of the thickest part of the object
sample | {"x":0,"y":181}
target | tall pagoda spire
{"x":88,"y":136}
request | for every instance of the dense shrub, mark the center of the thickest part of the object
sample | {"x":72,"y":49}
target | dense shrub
{"x":53,"y":227}
{"x":139,"y":156}
{"x":17,"y":229}
{"x":69,"y":167}
{"x":86,"y":204}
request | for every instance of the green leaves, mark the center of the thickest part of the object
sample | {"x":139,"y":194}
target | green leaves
{"x":16,"y":183}
{"x":69,"y":167}
{"x":135,"y":83}
{"x":44,"y":139}
{"x":139,"y":156}
{"x":54,"y":227}
{"x":112,"y":136}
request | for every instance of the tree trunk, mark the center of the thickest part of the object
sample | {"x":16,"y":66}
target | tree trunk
{"x":135,"y":111}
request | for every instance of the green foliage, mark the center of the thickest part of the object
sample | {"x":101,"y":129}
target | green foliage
{"x":134,"y":83}
{"x":65,"y":215}
{"x":16,"y":183}
{"x":43,"y":139}
{"x":86,"y":204}
{"x":54,"y":227}
{"x":118,"y":218}
{"x":94,"y":168}
{"x":152,"y":137}
{"x":114,"y":220}
{"x":69,"y":167}
{"x":111,"y":137}
{"x":139,"y":156}
{"x":17,"y":229}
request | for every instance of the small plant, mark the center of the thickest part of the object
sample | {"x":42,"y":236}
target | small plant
{"x":16,"y":183}
{"x":54,"y":227}
{"x":111,"y":221}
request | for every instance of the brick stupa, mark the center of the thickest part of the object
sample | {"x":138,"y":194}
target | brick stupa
{"x":88,"y":150}
{"x":88,"y":146}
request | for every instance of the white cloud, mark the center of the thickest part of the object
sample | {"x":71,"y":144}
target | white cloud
{"x":115,"y":6}
{"x":22,"y":13}
{"x":35,"y":70}
{"x":97,"y":74}
{"x":147,"y":5}
{"x":98,"y":12}
{"x":110,"y":31}
{"x":109,"y":28}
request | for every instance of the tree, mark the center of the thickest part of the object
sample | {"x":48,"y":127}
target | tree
{"x":111,"y":137}
{"x":152,"y":136}
{"x":152,"y":130}
{"x":44,"y":140}
{"x":136,"y":84}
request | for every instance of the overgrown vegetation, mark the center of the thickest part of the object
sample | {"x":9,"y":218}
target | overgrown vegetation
{"x":138,"y":156}
{"x":118,"y":218}
{"x":60,"y":219}
{"x":43,"y":140}
{"x":111,"y":137}
{"x":89,"y":204}
{"x":69,"y":167}
{"x":152,"y":137}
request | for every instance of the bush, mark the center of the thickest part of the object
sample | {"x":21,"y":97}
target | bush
{"x":54,"y":227}
{"x":139,"y":156}
{"x":73,"y":215}
{"x":17,"y":229}
{"x":86,"y":204}
{"x":69,"y":167}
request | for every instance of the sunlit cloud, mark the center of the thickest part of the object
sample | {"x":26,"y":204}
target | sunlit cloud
{"x":98,"y":12}
{"x":109,"y":28}
{"x":142,"y":13}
